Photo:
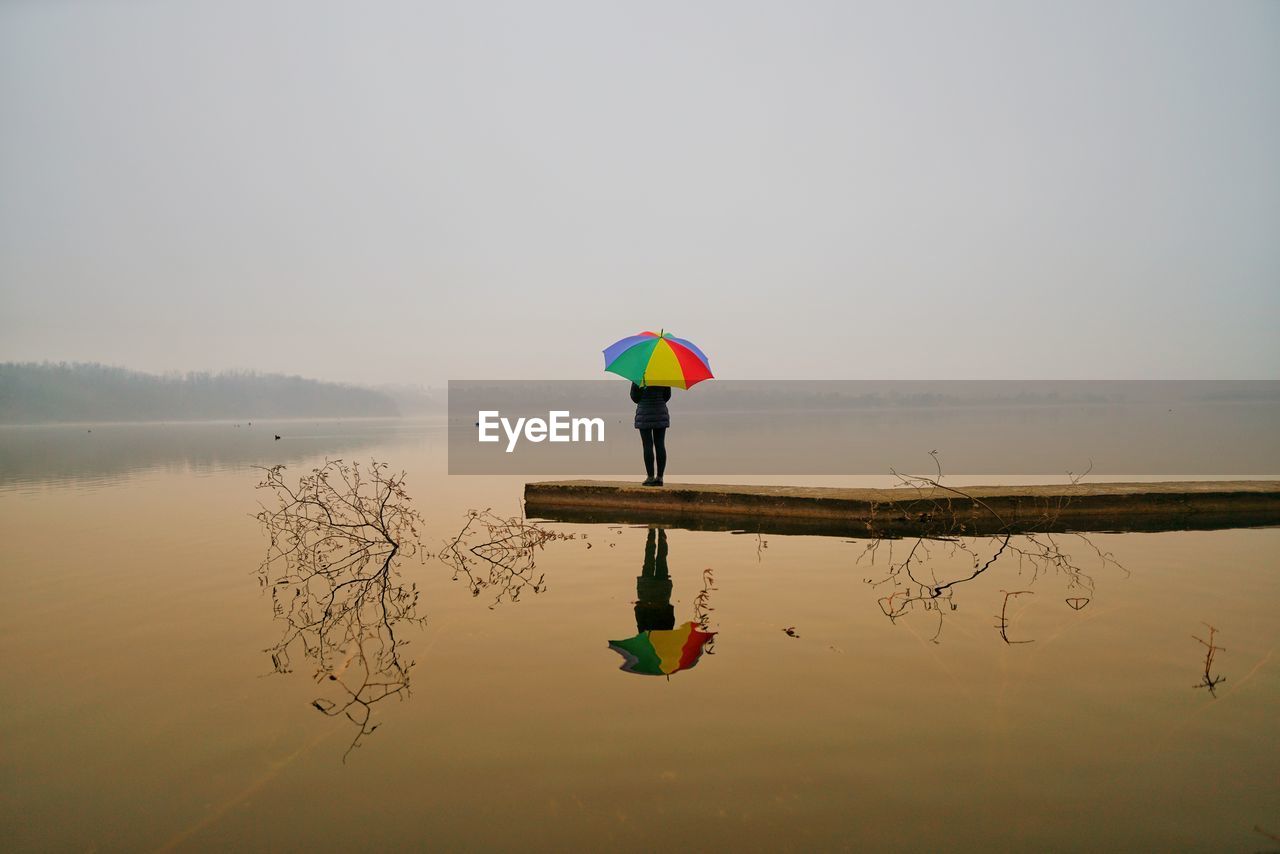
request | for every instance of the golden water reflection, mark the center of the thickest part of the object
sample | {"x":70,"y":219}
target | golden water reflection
{"x":143,"y":718}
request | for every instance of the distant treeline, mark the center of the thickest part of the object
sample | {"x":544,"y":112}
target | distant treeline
{"x":32,"y":393}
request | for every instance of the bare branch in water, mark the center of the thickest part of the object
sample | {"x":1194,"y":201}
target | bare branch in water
{"x":498,"y":555}
{"x":946,"y":537}
{"x":331,"y":568}
{"x":702,"y":609}
{"x":1208,"y":680}
{"x":1003,"y":625}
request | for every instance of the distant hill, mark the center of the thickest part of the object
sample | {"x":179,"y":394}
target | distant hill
{"x":416,"y":399}
{"x":32,"y":393}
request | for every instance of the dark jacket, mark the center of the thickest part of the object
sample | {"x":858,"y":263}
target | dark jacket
{"x":651,"y":406}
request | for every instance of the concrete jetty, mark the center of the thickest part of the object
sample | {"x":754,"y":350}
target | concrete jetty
{"x":906,"y":511}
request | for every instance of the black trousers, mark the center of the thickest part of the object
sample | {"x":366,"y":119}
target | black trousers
{"x":654,"y":440}
{"x":653,"y":588}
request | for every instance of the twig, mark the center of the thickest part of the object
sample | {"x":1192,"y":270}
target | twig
{"x":1003,"y":625}
{"x":1211,"y":649}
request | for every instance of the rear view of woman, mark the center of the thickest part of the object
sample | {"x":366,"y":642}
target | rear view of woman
{"x":652,"y":420}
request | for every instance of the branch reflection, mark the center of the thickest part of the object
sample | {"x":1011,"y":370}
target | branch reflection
{"x":921,"y":580}
{"x":499,"y":555}
{"x":331,"y":568}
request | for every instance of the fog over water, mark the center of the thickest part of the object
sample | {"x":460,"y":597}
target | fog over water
{"x":419,"y":192}
{"x":803,"y":429}
{"x":914,"y":239}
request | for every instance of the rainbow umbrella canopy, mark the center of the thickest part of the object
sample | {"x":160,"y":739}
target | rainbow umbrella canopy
{"x":661,"y":652}
{"x":651,"y":358}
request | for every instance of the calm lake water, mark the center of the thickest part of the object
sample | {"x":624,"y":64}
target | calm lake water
{"x":141,"y":709}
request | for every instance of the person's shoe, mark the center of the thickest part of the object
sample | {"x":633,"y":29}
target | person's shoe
{"x":648,"y":481}
{"x":657,"y":481}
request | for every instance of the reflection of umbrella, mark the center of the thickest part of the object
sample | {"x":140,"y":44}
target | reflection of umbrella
{"x":658,"y":359}
{"x":661,"y":652}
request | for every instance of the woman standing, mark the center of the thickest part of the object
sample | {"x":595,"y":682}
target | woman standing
{"x":652,"y":420}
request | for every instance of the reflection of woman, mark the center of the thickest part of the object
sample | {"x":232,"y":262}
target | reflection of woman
{"x":653,"y":587}
{"x":652,"y":420}
{"x":659,"y":648}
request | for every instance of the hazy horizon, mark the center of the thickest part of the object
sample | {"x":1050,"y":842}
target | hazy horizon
{"x":414,"y":193}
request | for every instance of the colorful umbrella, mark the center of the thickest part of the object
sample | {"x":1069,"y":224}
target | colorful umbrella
{"x":661,"y":652}
{"x":658,"y":359}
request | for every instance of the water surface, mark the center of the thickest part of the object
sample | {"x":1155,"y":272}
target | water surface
{"x":142,"y":710}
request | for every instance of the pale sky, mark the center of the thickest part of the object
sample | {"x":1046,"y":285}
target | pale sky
{"x":417,"y":192}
